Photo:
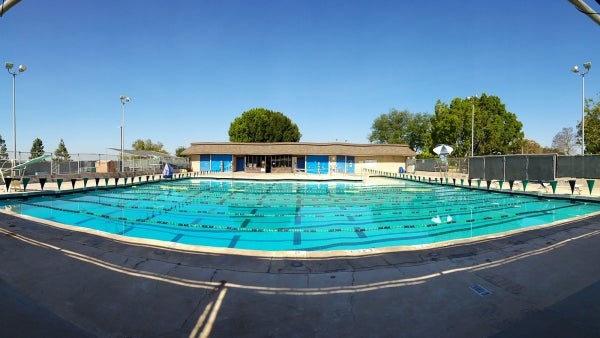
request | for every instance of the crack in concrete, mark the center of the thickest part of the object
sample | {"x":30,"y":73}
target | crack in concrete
{"x":140,"y":263}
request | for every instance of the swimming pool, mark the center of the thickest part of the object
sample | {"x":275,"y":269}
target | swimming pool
{"x":300,"y":215}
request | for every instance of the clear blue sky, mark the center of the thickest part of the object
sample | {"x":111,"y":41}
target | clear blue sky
{"x":192,"y":67}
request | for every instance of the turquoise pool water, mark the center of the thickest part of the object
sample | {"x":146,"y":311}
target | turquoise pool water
{"x":305,"y":216}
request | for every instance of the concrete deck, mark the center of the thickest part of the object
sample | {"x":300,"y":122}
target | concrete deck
{"x":56,"y":282}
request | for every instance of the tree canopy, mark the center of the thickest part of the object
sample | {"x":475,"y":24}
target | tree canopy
{"x":564,"y":141}
{"x":148,"y":145}
{"x":592,"y":127}
{"x":404,"y":127}
{"x":179,"y":150}
{"x":263,"y":125}
{"x":496,"y":131}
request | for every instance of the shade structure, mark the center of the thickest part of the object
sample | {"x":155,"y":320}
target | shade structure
{"x":443,"y":150}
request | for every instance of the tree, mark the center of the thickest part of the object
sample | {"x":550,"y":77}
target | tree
{"x":61,"y":154}
{"x":263,"y":125}
{"x":37,"y":149}
{"x":179,"y":150}
{"x":564,"y":141}
{"x":3,"y":149}
{"x":592,"y":127}
{"x":402,"y":127}
{"x":149,"y":146}
{"x":532,"y":147}
{"x":496,"y":131}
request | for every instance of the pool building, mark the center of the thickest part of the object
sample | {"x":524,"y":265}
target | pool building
{"x":293,"y":157}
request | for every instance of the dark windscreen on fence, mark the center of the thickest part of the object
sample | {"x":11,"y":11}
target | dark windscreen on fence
{"x":591,"y":166}
{"x":569,"y":166}
{"x":587,"y":166}
{"x":476,"y":167}
{"x":494,"y":168}
{"x":515,"y":167}
{"x":541,"y":167}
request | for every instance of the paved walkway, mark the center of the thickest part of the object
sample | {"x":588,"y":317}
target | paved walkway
{"x":55,"y":282}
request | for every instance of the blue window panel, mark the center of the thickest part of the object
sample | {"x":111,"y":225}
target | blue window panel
{"x":221,"y":163}
{"x":350,"y":164}
{"x":317,"y":164}
{"x":205,"y":162}
{"x":340,"y":164}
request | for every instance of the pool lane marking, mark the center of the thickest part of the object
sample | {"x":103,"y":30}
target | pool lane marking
{"x":245,"y":223}
{"x":360,"y":232}
{"x":234,"y":241}
{"x":298,"y":219}
{"x":297,"y":238}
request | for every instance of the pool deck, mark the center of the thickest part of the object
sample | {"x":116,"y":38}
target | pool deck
{"x":56,"y":282}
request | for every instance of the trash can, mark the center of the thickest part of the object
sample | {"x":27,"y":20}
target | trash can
{"x":401,"y":170}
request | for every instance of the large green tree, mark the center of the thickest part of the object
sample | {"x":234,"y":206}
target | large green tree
{"x":148,"y":145}
{"x":263,"y":125}
{"x":495,"y":131}
{"x":37,"y":149}
{"x":403,"y":127}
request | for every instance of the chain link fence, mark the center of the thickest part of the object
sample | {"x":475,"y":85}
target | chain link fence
{"x":88,"y":163}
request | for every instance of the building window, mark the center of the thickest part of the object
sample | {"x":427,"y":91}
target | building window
{"x":255,"y":161}
{"x":281,"y":161}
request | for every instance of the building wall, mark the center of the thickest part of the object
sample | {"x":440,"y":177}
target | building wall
{"x":383,"y":163}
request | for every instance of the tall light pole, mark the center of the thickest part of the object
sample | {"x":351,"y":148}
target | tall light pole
{"x":124,"y":99}
{"x":9,"y":66}
{"x":587,"y":66}
{"x":472,"y":98}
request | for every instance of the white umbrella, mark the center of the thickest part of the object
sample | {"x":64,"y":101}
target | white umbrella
{"x":443,"y":149}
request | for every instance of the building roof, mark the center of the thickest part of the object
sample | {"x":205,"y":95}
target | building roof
{"x":298,"y":148}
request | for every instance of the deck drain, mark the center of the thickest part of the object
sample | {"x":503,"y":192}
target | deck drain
{"x":297,"y":264}
{"x":480,"y":290}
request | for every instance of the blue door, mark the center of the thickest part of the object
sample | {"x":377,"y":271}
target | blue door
{"x":317,"y":164}
{"x":205,"y":162}
{"x":221,"y":163}
{"x":240,"y":163}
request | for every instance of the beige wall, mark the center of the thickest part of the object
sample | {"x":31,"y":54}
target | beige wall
{"x":383,"y":163}
{"x":195,"y":162}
